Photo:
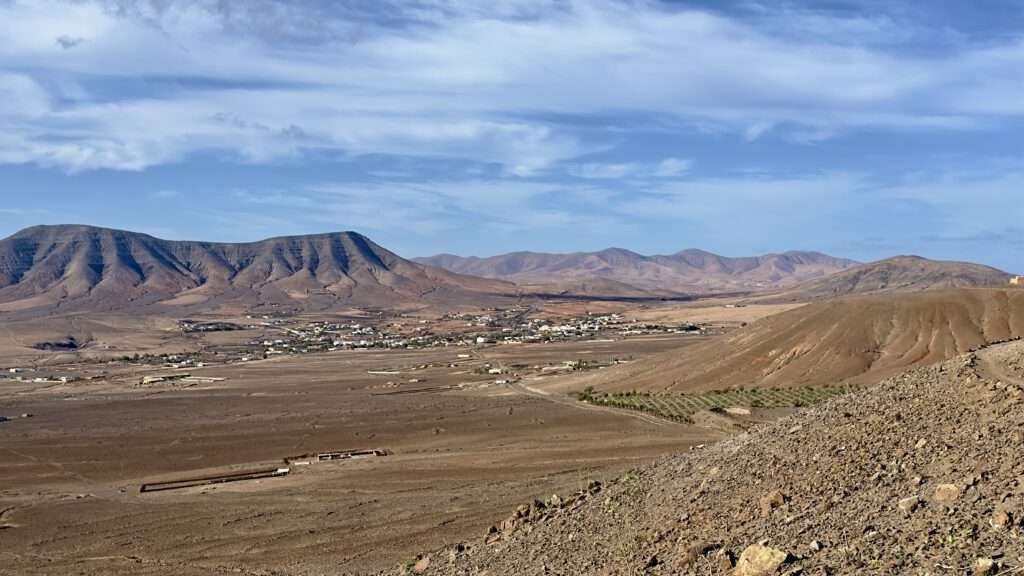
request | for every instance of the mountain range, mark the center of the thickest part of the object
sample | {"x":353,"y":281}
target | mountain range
{"x":689,"y":271}
{"x":74,"y":267}
{"x":99,"y":268}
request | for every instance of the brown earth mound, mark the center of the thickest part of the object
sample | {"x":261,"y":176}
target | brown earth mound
{"x":859,"y":339}
{"x":920,"y":475}
{"x":899,"y":274}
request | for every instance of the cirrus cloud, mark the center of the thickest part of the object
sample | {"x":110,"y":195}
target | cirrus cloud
{"x":149,"y":83}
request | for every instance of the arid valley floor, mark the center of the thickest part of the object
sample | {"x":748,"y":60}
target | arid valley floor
{"x":461,"y":450}
{"x":319,"y":405}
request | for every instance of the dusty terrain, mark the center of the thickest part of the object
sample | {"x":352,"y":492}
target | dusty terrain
{"x":100,"y":335}
{"x":462,"y":449}
{"x":859,"y":339}
{"x":920,"y":475}
{"x":470,"y":428}
{"x":732,"y":312}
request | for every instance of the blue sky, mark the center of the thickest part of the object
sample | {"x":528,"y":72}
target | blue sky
{"x":863,"y":129}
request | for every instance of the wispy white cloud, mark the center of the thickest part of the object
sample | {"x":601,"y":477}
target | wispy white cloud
{"x":672,"y":167}
{"x":853,"y":214}
{"x":269,"y":80}
{"x":943,"y":212}
{"x":432,"y":207}
{"x":667,"y":168}
{"x":603,"y":171}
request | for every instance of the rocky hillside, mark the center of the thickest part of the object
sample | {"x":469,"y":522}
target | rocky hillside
{"x":920,"y":475}
{"x":685,"y":271}
{"x":900,"y":274}
{"x":861,"y":339}
{"x":84,"y":267}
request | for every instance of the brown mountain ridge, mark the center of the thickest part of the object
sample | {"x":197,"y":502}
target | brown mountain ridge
{"x":690,"y":271}
{"x":84,"y":267}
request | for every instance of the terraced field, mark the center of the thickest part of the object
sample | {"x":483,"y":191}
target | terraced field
{"x":682,"y":407}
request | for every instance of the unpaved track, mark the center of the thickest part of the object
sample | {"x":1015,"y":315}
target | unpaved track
{"x":569,"y":401}
{"x":559,"y":398}
{"x":994,"y":363}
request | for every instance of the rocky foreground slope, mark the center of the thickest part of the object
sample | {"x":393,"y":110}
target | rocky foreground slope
{"x":923,"y":474}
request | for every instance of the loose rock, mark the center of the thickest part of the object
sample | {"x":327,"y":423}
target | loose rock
{"x":947,"y":494}
{"x":984,"y":567}
{"x":909,"y":504}
{"x":723,"y":560}
{"x":758,"y":560}
{"x":691,"y":552}
{"x":771,"y":501}
{"x":1000,"y":520}
{"x":857,"y":497}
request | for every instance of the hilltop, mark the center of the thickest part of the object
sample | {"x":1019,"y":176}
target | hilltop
{"x":899,"y":274}
{"x":857,"y":338}
{"x":694,"y":271}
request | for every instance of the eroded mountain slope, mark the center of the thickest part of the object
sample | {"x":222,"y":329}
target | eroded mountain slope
{"x":92,"y":268}
{"x":859,"y":339}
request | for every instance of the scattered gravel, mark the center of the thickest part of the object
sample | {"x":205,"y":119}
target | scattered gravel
{"x":922,"y":475}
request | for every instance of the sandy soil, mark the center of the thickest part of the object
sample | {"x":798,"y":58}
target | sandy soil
{"x":103,"y":335}
{"x":709,"y":311}
{"x":460,"y":457}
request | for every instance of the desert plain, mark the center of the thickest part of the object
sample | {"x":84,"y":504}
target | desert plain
{"x":461,"y":447}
